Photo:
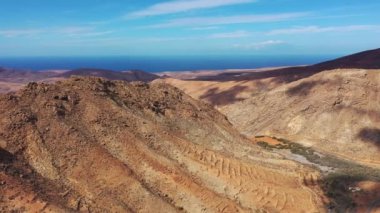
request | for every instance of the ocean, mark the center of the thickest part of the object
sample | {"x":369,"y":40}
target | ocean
{"x":159,"y":64}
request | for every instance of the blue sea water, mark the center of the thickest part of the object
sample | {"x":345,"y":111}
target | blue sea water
{"x":159,"y":64}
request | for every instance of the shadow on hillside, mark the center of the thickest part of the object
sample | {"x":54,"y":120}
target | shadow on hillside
{"x":370,"y":135}
{"x":284,"y":75}
{"x":302,"y":89}
{"x":5,"y":157}
{"x":339,"y":188}
{"x":216,"y":98}
{"x":277,"y":77}
{"x":335,"y":188}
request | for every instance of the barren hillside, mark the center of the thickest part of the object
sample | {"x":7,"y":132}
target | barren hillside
{"x":223,"y":88}
{"x":334,"y":111}
{"x":92,"y":145}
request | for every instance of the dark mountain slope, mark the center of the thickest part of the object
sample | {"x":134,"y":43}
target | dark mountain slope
{"x":364,"y":60}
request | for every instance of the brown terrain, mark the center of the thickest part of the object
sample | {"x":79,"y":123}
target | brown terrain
{"x":334,"y":111}
{"x":309,"y":143}
{"x":88,"y":144}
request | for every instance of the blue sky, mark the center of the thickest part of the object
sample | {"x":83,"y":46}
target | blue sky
{"x":187,"y":27}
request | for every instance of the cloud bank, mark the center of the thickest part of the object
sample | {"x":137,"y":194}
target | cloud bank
{"x":317,"y":29}
{"x":178,"y":6}
{"x":238,"y":19}
{"x":259,"y":45}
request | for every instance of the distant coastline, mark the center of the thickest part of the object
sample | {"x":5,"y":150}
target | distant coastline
{"x":159,"y":64}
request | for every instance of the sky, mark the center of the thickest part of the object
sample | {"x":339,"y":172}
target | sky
{"x":187,"y":27}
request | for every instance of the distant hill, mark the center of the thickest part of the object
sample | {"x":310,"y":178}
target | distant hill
{"x":13,"y":79}
{"x":365,"y":60}
{"x":22,"y":76}
{"x":133,"y":75}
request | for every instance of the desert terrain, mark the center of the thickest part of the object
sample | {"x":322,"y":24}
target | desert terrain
{"x":335,"y":111}
{"x":225,"y":87}
{"x":287,"y":139}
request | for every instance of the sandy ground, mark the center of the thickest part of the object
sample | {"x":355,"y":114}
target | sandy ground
{"x":6,"y":87}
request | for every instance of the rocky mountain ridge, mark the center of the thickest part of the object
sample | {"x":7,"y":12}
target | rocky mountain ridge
{"x":93,"y":145}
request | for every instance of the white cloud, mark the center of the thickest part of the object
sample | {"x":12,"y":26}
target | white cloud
{"x":72,"y":30}
{"x":77,"y":31}
{"x":205,"y":28}
{"x":168,"y":39}
{"x":19,"y":32}
{"x":239,"y":19}
{"x":317,"y":29}
{"x":184,"y":5}
{"x":80,"y":31}
{"x":236,"y":34}
{"x":259,"y":45}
